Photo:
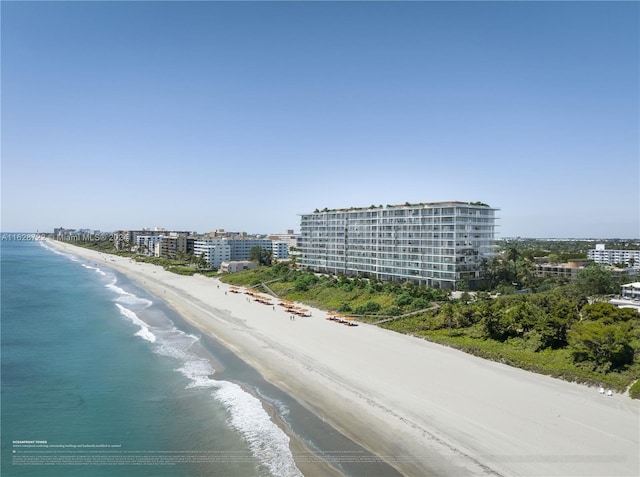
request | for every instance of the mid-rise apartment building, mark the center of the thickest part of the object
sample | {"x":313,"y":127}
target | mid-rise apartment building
{"x":241,"y":247}
{"x":172,"y":244}
{"x":124,"y":239}
{"x":434,"y":244}
{"x":279,"y":250}
{"x":215,"y":251}
{"x":631,"y":291}
{"x":218,"y":250}
{"x":147,"y":243}
{"x":290,"y":238}
{"x":611,"y":257}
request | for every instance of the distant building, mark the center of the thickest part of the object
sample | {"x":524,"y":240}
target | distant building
{"x":290,"y":238}
{"x":215,"y":251}
{"x":147,"y":243}
{"x":560,"y":270}
{"x":123,"y":239}
{"x":279,"y":250}
{"x":611,"y":257}
{"x":237,"y":266}
{"x":631,"y":291}
{"x":435,"y":244}
{"x":173,"y":244}
{"x":241,"y":247}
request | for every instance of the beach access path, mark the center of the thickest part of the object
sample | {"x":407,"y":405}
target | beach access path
{"x":425,"y":408}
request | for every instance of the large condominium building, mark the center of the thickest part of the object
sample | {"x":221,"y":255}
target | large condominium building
{"x":434,"y":244}
{"x":218,"y":250}
{"x":241,"y":248}
{"x":611,"y":257}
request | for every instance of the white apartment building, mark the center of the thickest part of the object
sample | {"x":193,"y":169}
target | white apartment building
{"x":434,"y":244}
{"x":215,"y":251}
{"x":631,"y":291}
{"x":241,"y":247}
{"x":610,"y":257}
{"x":147,"y":243}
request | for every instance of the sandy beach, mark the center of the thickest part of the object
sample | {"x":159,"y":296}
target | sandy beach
{"x":424,"y":408}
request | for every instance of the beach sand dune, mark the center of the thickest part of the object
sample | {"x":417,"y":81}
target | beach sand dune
{"x":424,"y":408}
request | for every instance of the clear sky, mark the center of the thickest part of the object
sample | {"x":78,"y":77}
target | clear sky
{"x":206,"y":115}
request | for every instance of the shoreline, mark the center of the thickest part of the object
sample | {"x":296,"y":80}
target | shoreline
{"x":423,"y":408}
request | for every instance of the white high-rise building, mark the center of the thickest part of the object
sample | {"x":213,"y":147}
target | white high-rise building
{"x":434,"y":244}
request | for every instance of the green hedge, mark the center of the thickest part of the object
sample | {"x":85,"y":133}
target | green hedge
{"x":634,"y":390}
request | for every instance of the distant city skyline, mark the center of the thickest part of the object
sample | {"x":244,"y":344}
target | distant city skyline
{"x":244,"y":115}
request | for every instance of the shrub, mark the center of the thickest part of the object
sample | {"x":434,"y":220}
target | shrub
{"x":368,"y":308}
{"x":419,"y":304}
{"x":634,"y":390}
{"x":392,"y":310}
{"x":404,"y":299}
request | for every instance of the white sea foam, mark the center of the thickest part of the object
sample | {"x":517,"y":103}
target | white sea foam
{"x":96,"y":269}
{"x":126,"y":297}
{"x":268,"y":443}
{"x":144,"y":332}
{"x":51,"y":249}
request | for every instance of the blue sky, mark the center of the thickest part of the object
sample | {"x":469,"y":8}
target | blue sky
{"x":243,"y":115}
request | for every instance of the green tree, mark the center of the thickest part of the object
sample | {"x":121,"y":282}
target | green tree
{"x":260,"y":255}
{"x":561,"y":314}
{"x":201,"y":262}
{"x":607,"y":346}
{"x":595,"y":280}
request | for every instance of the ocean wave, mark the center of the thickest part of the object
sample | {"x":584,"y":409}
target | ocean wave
{"x":125,"y":297}
{"x":266,"y":440}
{"x":96,"y":269}
{"x":54,"y":250}
{"x":144,"y":332}
{"x":268,"y":443}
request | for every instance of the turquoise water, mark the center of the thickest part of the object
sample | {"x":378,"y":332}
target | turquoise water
{"x":101,"y":378}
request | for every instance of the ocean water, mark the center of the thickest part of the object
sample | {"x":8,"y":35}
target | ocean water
{"x":101,"y":378}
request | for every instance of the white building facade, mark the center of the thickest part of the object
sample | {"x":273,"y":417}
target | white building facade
{"x":434,"y":244}
{"x":215,"y":251}
{"x":610,"y":257}
{"x":147,"y":243}
{"x":631,"y":291}
{"x":241,"y":248}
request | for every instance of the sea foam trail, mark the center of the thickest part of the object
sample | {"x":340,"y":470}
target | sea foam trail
{"x":126,"y":297}
{"x":51,"y":249}
{"x":268,"y":443}
{"x":144,"y":332}
{"x":96,"y":269}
